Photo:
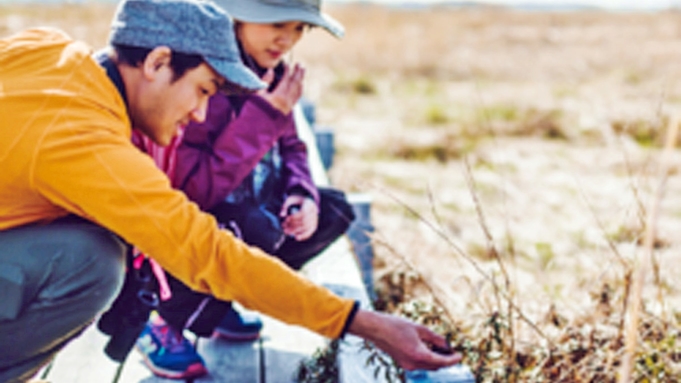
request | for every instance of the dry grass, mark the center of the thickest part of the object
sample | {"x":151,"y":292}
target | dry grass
{"x":512,"y":157}
{"x":560,"y":117}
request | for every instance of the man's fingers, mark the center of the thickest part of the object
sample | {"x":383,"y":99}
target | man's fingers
{"x":434,"y":339}
{"x":433,"y":361}
{"x":424,"y":358}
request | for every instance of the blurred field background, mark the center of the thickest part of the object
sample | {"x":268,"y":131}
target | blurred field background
{"x":512,"y":157}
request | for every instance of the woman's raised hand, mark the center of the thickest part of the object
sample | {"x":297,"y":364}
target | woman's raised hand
{"x":289,"y":89}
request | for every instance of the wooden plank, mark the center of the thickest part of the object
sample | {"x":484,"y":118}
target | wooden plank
{"x":230,"y":361}
{"x":284,"y":347}
{"x":306,"y":134}
{"x":337,"y":269}
{"x":352,"y":355}
{"x":225,"y":361}
{"x":134,"y":370}
{"x":337,"y":265}
{"x":83,"y":360}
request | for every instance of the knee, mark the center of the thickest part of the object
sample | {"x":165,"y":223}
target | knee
{"x":338,"y":210}
{"x":110,"y":269}
{"x":103,"y":267}
{"x":337,"y":218}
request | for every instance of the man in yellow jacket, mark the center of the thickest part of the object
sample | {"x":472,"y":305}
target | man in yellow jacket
{"x":74,"y":190}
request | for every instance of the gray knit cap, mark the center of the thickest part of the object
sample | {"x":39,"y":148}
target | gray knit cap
{"x":185,"y":26}
{"x":276,"y":11}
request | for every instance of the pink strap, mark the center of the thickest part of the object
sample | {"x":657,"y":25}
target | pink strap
{"x":164,"y":157}
{"x":163,"y":286}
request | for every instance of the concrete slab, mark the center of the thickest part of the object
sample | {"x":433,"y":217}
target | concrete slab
{"x":83,"y":361}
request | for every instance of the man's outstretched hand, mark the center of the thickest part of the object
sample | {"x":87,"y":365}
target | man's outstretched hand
{"x":405,"y":341}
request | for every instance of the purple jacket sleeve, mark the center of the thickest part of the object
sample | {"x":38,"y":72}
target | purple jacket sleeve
{"x":216,"y":155}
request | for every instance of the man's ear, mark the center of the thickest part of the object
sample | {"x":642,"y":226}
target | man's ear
{"x":155,"y":61}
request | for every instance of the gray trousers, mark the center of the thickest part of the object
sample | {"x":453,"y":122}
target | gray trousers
{"x":54,"y":280}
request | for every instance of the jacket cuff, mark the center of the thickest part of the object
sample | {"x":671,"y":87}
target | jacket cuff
{"x":266,"y":107}
{"x":348,"y":322}
{"x":302,"y":187}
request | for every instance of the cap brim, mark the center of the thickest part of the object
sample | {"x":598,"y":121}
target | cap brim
{"x":238,"y":78}
{"x":256,"y":12}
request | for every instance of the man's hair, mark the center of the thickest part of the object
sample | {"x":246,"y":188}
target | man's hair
{"x":179,"y":62}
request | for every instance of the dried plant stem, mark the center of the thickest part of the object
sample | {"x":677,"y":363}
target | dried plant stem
{"x":634,"y":306}
{"x":440,"y":233}
{"x":428,"y":285}
{"x":641,"y":211}
{"x":611,"y":244}
{"x":470,"y":180}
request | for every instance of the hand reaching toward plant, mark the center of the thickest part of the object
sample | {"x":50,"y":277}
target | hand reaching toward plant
{"x":287,"y":92}
{"x":408,"y":343}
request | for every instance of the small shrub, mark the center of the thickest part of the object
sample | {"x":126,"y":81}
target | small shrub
{"x":545,"y":253}
{"x":544,"y":124}
{"x":442,"y":147}
{"x":363,"y":85}
{"x":646,"y":133}
{"x":500,"y":113}
{"x":628,"y":234}
{"x":360,"y":85}
{"x":322,"y":367}
{"x":436,"y":115}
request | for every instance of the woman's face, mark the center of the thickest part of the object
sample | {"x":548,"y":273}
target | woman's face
{"x":268,"y":43}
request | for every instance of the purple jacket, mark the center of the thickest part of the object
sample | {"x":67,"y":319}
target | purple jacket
{"x":215,"y":156}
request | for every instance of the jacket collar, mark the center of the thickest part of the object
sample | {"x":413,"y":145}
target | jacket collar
{"x":104,"y":60}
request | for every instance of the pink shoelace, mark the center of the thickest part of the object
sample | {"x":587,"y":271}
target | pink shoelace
{"x":171,"y":339}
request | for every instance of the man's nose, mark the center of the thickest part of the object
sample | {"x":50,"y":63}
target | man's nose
{"x":198,"y":114}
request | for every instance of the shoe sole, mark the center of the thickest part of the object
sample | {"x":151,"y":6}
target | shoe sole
{"x":193,"y":371}
{"x":236,"y":336}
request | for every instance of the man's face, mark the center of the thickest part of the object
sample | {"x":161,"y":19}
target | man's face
{"x":164,"y":107}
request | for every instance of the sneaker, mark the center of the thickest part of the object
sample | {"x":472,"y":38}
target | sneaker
{"x":239,"y":327}
{"x":168,"y":353}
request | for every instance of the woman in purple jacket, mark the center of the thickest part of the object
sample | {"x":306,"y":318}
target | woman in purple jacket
{"x":247,"y":165}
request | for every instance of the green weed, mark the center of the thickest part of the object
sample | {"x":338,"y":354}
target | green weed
{"x":321,"y":367}
{"x":436,"y":115}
